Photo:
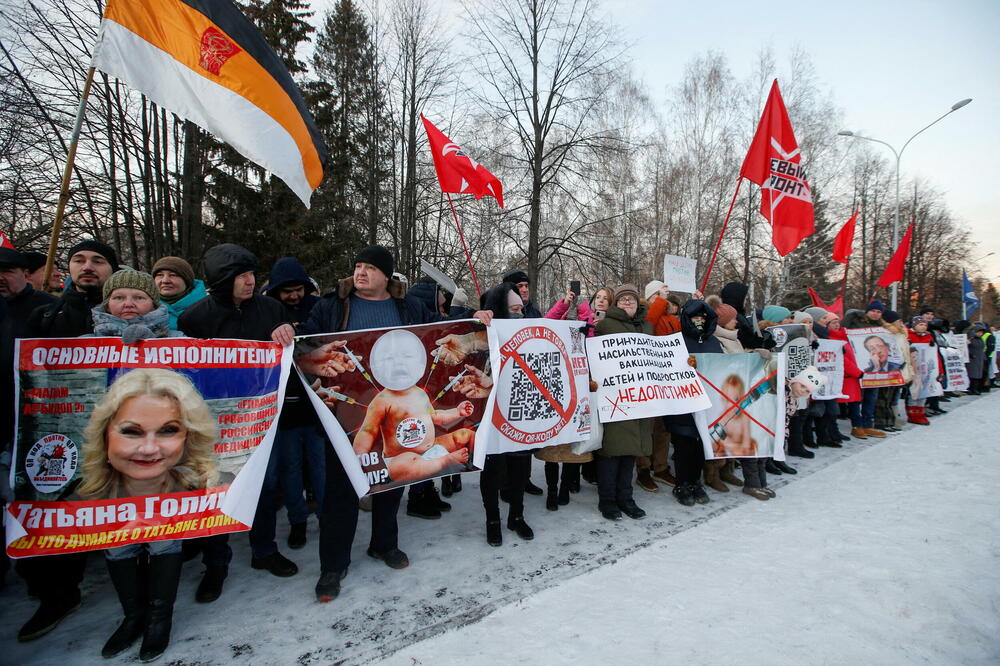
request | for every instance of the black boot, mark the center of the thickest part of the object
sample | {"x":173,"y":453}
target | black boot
{"x":419,"y":504}
{"x":517,"y":525}
{"x":456,"y":483}
{"x":210,"y":587}
{"x":446,"y":486}
{"x":552,"y":500}
{"x":130,"y":584}
{"x":552,"y":485}
{"x":785,"y":469}
{"x":771,"y":468}
{"x":434,"y":500}
{"x":164,"y":577}
{"x":494,"y":535}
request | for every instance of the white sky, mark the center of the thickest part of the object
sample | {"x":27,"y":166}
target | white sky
{"x":893,"y":66}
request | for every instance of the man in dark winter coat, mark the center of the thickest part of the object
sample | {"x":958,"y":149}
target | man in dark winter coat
{"x":300,"y":442}
{"x":698,"y":322}
{"x":55,"y":580}
{"x":234,"y":310}
{"x":519,"y":279}
{"x":370,"y":298}
{"x":90,"y":264}
{"x":734,"y":294}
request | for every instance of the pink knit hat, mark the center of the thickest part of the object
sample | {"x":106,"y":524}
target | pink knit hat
{"x":726,"y":314}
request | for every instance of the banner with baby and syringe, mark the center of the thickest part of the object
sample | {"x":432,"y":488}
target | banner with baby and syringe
{"x":400,"y":405}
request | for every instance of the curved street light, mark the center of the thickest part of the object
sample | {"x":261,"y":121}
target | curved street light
{"x":899,"y":154}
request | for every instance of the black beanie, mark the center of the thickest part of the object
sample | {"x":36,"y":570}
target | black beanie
{"x":516,"y":276}
{"x":100,"y":248}
{"x":379,"y":257}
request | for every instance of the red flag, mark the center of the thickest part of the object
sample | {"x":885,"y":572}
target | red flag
{"x":894,"y":270}
{"x":4,"y":241}
{"x":457,"y":172}
{"x":843,"y":244}
{"x":774,"y":163}
{"x":837,"y":307}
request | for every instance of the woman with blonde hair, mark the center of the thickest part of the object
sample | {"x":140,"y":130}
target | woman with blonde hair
{"x":151,"y":433}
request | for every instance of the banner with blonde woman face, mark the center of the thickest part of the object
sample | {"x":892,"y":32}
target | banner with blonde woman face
{"x":119,"y":444}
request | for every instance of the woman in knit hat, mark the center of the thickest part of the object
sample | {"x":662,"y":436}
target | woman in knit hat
{"x":131,"y":309}
{"x":623,"y":440}
{"x":177,"y":286}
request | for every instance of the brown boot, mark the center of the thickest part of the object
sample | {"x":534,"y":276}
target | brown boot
{"x":712,"y":480}
{"x":872,"y":432}
{"x":859,"y":433}
{"x":645,"y":481}
{"x":726,"y":474}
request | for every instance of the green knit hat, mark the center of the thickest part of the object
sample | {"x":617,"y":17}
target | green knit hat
{"x":132,"y":280}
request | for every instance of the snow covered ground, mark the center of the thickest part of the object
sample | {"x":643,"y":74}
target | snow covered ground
{"x":881,"y":553}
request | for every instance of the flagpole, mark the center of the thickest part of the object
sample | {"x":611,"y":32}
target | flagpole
{"x":843,"y":283}
{"x":67,"y":171}
{"x":468,"y":257}
{"x":725,"y":223}
{"x":964,"y":308}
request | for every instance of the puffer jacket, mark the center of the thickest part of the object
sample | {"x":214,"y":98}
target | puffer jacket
{"x":698,"y":341}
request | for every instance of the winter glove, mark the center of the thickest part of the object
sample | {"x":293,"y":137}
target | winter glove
{"x":136,"y":332}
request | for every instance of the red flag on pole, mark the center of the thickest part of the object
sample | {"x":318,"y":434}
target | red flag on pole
{"x":457,"y":172}
{"x":894,"y":270}
{"x":843,"y":244}
{"x":774,"y":163}
{"x":4,"y":241}
{"x":837,"y":307}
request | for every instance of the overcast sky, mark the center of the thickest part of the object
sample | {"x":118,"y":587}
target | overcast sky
{"x":893,"y":66}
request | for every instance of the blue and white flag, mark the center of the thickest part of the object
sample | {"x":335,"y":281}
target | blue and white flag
{"x":969,"y":295}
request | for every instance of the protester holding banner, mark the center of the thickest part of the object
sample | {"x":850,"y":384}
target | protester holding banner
{"x":131,"y":309}
{"x":504,"y":302}
{"x":915,"y":404}
{"x":698,"y":324}
{"x":886,"y":413}
{"x":235,"y":311}
{"x":152,"y":433}
{"x":856,"y":319}
{"x":55,"y":580}
{"x":852,"y":376}
{"x":824,"y":420}
{"x":623,"y":440}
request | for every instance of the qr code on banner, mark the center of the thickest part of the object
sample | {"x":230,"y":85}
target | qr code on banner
{"x":526,"y":401}
{"x":799,"y":357}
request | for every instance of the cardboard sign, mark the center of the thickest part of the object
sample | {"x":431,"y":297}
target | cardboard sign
{"x":679,"y":273}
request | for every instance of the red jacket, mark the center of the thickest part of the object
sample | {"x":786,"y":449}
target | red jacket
{"x":852,"y":373}
{"x":663,"y":323}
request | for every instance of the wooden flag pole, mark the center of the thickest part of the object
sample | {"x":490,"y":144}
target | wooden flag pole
{"x":722,"y":233}
{"x":67,"y":171}
{"x":468,"y":257}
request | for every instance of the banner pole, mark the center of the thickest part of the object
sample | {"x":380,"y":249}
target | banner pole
{"x":67,"y":171}
{"x":843,"y":283}
{"x":468,"y":257}
{"x":718,"y":243}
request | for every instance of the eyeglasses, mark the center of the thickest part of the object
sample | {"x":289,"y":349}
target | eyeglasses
{"x":627,"y":299}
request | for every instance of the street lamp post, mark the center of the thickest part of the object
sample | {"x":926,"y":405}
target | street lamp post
{"x":899,"y":154}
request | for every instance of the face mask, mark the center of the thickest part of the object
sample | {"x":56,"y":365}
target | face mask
{"x":698,"y":323}
{"x":515,"y":315}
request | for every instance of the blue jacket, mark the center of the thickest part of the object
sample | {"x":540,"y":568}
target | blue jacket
{"x":177,"y":308}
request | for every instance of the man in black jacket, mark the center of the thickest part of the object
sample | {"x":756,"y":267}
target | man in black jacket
{"x":370,"y":298}
{"x":55,"y":579}
{"x":234,"y":310}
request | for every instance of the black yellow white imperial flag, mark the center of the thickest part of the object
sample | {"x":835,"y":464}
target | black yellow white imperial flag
{"x":205,"y":61}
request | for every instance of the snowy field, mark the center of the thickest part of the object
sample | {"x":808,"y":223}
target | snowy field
{"x":884,"y":552}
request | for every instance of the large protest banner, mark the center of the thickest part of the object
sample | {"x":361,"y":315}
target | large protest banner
{"x":878,"y":355}
{"x":541,"y":397}
{"x":400,"y":405}
{"x":793,"y":341}
{"x":747,"y":416}
{"x":641,"y":375}
{"x":924,"y":357}
{"x":954,"y":368}
{"x":119,"y":444}
{"x":829,"y":360}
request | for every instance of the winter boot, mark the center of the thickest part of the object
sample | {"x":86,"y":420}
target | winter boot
{"x":645,"y":481}
{"x":916,"y":415}
{"x":726,"y":474}
{"x":859,"y":433}
{"x":552,"y":500}
{"x":712,"y":480}
{"x":434,"y":500}
{"x":164,"y":577}
{"x":446,"y":486}
{"x":420,"y":505}
{"x":785,"y":469}
{"x":564,"y":491}
{"x":798,"y":449}
{"x":683,"y":493}
{"x":130,"y":585}
{"x":872,"y":432}
{"x":771,"y":468}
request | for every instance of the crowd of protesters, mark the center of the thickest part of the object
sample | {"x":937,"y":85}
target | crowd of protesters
{"x":101,"y":298}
